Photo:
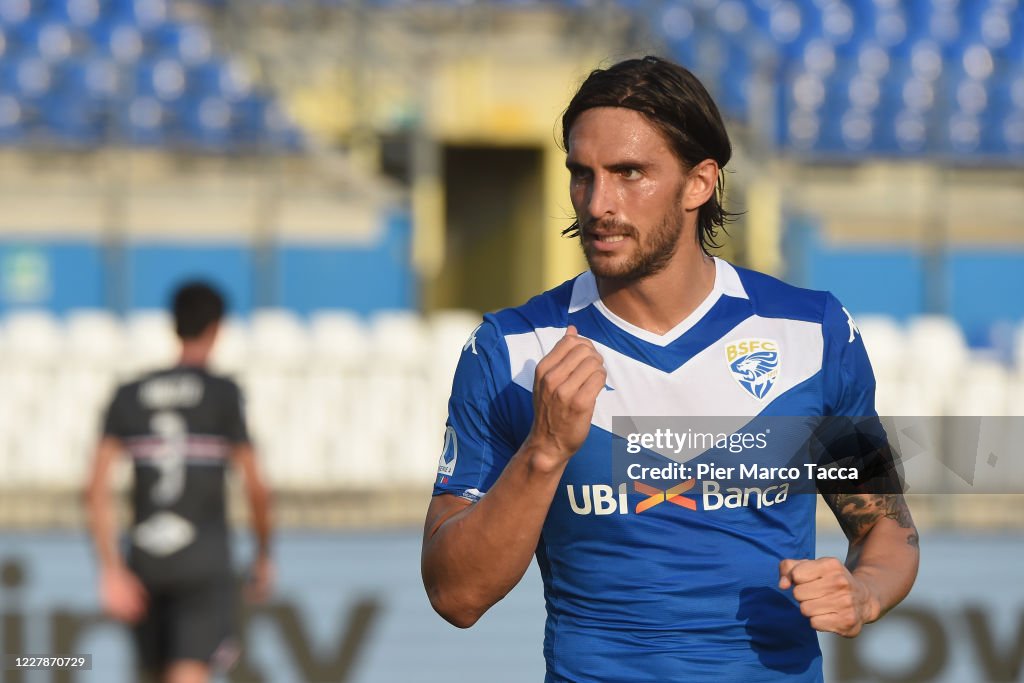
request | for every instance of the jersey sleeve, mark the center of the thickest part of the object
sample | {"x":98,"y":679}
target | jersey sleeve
{"x":852,"y":435}
{"x":849,"y":380}
{"x":115,"y":419}
{"x":235,"y":427}
{"x":478,"y":441}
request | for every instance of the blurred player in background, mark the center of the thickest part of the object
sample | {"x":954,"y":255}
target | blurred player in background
{"x":182,"y":427}
{"x":658,"y":593}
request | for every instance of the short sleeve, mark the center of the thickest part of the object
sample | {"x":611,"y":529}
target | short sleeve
{"x":477,"y":441}
{"x":115,"y":419}
{"x":235,"y":428}
{"x":849,"y":380}
{"x":852,"y":435}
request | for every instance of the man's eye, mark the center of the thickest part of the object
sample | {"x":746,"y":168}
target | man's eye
{"x":631,"y":173}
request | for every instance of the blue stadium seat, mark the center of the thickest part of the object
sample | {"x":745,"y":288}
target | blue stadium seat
{"x":70,"y":124}
{"x":143,"y":121}
{"x":14,"y":12}
{"x":148,"y":15}
{"x":77,"y":14}
{"x":119,"y":39}
{"x":189,"y":43}
{"x":51,"y":40}
{"x":163,"y":78}
{"x":207,"y":124}
{"x":28,"y":77}
{"x":11,"y":130}
{"x":225,"y":78}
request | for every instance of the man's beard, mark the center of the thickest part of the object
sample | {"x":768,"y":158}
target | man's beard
{"x":649,"y":257}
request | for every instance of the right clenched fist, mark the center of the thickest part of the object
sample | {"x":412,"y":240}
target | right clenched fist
{"x":565,"y":389}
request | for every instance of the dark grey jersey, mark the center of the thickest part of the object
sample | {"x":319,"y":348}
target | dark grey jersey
{"x":179,"y":427}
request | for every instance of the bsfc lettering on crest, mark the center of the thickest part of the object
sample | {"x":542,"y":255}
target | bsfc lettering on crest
{"x":754,"y":364}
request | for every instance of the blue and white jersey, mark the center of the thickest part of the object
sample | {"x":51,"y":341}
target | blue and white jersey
{"x":641,"y":591}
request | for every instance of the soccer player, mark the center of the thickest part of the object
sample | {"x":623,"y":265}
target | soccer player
{"x":635,"y":591}
{"x":182,"y":428}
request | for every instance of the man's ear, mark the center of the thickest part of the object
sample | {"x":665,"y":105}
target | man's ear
{"x":701,"y":181}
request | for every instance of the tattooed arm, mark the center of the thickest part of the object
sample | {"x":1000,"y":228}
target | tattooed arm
{"x":880,"y":567}
{"x":883,"y":542}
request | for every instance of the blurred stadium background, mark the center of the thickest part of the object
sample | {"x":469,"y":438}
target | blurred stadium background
{"x":364,"y":177}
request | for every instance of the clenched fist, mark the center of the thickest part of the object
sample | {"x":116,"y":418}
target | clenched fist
{"x":830,"y":596}
{"x":565,"y":389}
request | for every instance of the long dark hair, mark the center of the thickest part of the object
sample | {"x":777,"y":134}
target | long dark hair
{"x":674,"y":101}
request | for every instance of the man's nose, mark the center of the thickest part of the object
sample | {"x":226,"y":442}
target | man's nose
{"x":601,"y":200}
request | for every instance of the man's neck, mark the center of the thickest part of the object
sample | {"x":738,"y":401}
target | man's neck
{"x":194,"y":355}
{"x":659,"y":302}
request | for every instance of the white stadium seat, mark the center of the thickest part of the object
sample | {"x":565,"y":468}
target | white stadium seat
{"x":982,"y":389}
{"x":277,"y":339}
{"x":230,"y":353}
{"x":339,"y":402}
{"x":936,"y":352}
{"x":1018,"y":348}
{"x":34,"y":337}
{"x":95,"y":337}
{"x":886,"y":343}
{"x":339,"y":339}
{"x":398,"y":339}
{"x":151,"y":342}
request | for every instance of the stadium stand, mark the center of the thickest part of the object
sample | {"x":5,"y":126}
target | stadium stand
{"x":322,"y":393}
{"x":930,"y":81}
{"x":927,"y":78}
{"x":81,"y":73}
{"x":833,"y":80}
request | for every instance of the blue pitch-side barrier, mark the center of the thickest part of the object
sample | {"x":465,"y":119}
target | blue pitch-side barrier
{"x":976,"y":286}
{"x":361,"y":593}
{"x":64,"y":275}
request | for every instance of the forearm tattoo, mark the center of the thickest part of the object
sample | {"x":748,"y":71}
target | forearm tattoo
{"x":857,"y":513}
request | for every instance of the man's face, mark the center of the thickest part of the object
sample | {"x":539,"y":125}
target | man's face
{"x":626,"y":187}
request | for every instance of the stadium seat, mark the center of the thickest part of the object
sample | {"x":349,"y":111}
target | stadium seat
{"x":151,"y":342}
{"x":982,"y":389}
{"x":278,"y":339}
{"x":188,"y":43}
{"x":339,"y":339}
{"x":207,"y":124}
{"x":33,"y":336}
{"x":936,"y":353}
{"x":398,"y":339}
{"x":1015,"y":394}
{"x":119,"y":40}
{"x":1018,"y":349}
{"x":885,"y":341}
{"x":144,"y":122}
{"x":79,"y":14}
{"x":230,"y":353}
{"x":94,"y":337}
{"x":11,"y":129}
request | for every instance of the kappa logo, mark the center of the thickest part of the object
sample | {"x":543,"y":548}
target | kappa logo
{"x":754,"y":364}
{"x":470,"y":344}
{"x":854,"y":330}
